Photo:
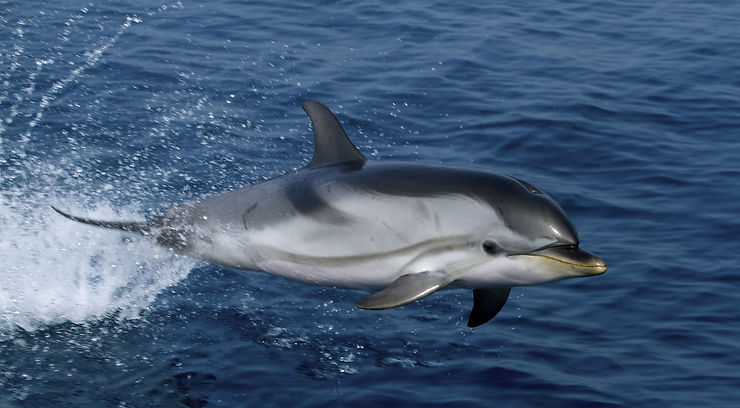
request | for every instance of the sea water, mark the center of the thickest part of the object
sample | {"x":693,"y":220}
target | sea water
{"x":627,"y":113}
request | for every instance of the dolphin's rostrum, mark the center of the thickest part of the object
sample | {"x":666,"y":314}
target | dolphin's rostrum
{"x":403,"y":230}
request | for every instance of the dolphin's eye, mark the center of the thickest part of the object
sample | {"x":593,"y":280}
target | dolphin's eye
{"x":490,"y":247}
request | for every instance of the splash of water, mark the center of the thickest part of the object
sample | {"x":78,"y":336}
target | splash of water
{"x":53,"y":270}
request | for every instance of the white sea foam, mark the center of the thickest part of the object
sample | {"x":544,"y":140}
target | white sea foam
{"x":54,"y":270}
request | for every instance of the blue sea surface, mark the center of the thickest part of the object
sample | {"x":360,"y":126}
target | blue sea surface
{"x":627,"y":113}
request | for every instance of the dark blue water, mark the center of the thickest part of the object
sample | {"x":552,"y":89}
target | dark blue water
{"x":628,"y":114}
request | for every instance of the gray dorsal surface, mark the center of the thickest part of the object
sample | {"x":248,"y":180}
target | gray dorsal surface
{"x":331,"y":143}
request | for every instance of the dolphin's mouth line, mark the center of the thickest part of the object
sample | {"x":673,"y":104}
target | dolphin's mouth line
{"x":572,"y":263}
{"x":571,"y":255}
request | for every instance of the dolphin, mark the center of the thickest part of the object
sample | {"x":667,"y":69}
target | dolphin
{"x":402,"y":230}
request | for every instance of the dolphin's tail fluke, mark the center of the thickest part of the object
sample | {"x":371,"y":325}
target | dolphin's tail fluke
{"x":139,"y":227}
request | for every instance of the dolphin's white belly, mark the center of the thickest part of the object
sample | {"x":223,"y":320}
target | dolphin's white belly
{"x":371,"y":275}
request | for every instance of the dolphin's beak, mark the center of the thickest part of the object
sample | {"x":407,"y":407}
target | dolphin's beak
{"x":569,"y":260}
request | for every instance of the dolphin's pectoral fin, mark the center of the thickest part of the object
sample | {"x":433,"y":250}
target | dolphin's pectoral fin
{"x":486,"y":304}
{"x":406,"y":289}
{"x":331,"y":144}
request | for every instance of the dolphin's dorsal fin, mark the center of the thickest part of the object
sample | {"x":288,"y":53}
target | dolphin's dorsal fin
{"x":331,"y":144}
